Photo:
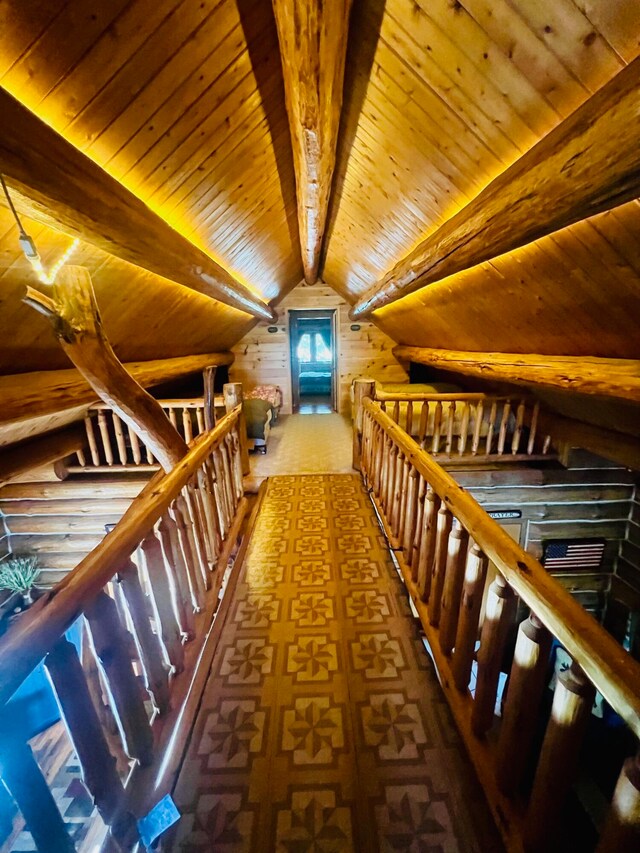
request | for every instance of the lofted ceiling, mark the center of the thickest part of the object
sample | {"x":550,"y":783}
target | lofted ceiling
{"x":183,"y":102}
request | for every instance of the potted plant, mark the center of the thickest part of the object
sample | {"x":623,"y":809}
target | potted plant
{"x":18,"y":575}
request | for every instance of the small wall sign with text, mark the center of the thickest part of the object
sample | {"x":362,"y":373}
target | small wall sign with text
{"x":355,"y":327}
{"x":506,"y":513}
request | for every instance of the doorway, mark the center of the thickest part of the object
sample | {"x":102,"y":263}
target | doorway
{"x":313,"y":361}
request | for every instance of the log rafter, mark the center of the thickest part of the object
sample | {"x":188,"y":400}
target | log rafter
{"x":56,"y":184}
{"x":603,"y":377}
{"x":313,"y":46}
{"x":588,"y":164}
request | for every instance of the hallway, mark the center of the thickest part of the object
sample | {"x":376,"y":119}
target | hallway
{"x":306,"y":444}
{"x":322,"y":726}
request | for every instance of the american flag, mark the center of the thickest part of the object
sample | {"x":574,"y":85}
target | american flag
{"x":568,"y":555}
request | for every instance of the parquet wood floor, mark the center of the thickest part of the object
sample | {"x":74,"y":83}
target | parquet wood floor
{"x":322,"y":726}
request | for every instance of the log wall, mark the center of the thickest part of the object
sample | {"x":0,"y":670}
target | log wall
{"x":629,"y":558}
{"x":264,"y":358}
{"x":564,"y":504}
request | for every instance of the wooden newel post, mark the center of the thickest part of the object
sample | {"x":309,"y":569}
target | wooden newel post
{"x":233,"y":397}
{"x":621,"y":833}
{"x":361,"y":388}
{"x":208,"y":378}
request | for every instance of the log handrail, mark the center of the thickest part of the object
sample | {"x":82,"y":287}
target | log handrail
{"x":22,"y":647}
{"x":177,"y":402}
{"x":609,"y":667}
{"x":419,"y":396}
{"x":443,"y":541}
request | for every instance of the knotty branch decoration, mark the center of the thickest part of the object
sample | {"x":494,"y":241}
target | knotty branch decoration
{"x":74,"y":314}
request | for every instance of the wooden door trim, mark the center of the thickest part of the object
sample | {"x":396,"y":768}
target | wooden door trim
{"x":312,"y":314}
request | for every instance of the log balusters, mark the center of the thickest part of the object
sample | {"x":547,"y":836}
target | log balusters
{"x":136,"y":595}
{"x":454,"y":425}
{"x":466,"y":578}
{"x":115,"y":445}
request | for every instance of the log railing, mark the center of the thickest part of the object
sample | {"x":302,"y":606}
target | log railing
{"x":146,"y":596}
{"x":468,"y":580}
{"x":463,"y":426}
{"x":112,"y":445}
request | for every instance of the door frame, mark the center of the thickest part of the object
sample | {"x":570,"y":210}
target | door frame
{"x":294,"y":365}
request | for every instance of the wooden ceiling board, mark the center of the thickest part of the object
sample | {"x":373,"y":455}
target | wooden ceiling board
{"x":182,"y":102}
{"x":572,"y":293}
{"x":525,"y":103}
{"x":145,"y":316}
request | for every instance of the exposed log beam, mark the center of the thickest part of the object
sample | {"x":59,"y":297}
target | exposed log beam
{"x":588,"y":164}
{"x":74,"y":314}
{"x":610,"y":444}
{"x":27,"y":455}
{"x":55,"y":183}
{"x":313,"y":46}
{"x":24,"y":396}
{"x":604,"y":377}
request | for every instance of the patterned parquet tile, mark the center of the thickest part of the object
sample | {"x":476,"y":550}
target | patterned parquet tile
{"x":323,"y":727}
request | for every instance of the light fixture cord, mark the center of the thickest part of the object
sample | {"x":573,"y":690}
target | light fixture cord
{"x":23,"y":233}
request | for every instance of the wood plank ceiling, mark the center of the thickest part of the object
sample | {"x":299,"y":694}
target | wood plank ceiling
{"x":441,"y":97}
{"x":184,"y":103}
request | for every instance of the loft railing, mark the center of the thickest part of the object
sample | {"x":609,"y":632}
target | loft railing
{"x":145,"y":596}
{"x":445,"y":542}
{"x":465,"y":426}
{"x":113,"y":445}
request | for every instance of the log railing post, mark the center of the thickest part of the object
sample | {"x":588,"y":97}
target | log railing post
{"x":208,"y":381}
{"x":410,"y":513}
{"x":164,"y":598}
{"x":498,"y":618}
{"x":97,"y":765}
{"x":361,"y":388}
{"x":417,"y":528}
{"x":452,"y":588}
{"x":469,"y":616}
{"x":233,"y":397}
{"x":427,"y":542}
{"x":443,"y":529}
{"x":189,"y":555}
{"x":108,"y":638}
{"x":621,"y":833}
{"x":522,"y":704}
{"x":572,"y":703}
{"x":174,"y":558}
{"x":26,"y":784}
{"x":147,"y":643}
